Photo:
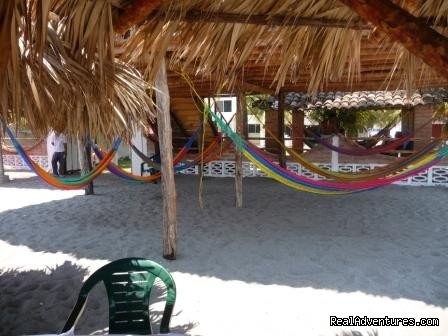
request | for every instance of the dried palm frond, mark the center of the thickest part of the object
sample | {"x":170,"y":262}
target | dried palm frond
{"x":318,"y":55}
{"x":63,"y":74}
{"x":413,"y":70}
{"x":223,"y":49}
{"x":58,"y":60}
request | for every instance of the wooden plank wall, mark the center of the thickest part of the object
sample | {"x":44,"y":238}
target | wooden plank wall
{"x":190,"y":117}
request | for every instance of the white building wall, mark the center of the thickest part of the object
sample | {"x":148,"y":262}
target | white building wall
{"x":140,"y":142}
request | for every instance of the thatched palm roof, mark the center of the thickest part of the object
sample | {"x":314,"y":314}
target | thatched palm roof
{"x":60,"y":55}
{"x":59,"y":69}
{"x":293,"y":45}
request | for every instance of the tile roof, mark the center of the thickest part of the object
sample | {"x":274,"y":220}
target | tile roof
{"x":360,"y":100}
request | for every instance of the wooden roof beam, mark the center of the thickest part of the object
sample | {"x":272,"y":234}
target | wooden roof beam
{"x":406,"y":29}
{"x":254,"y":88}
{"x":135,"y":13}
{"x":276,"y":20}
{"x":264,"y":20}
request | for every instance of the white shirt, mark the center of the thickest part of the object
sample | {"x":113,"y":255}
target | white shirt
{"x":58,"y":141}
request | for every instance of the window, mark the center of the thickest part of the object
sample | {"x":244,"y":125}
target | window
{"x":253,"y":128}
{"x":224,"y":105}
{"x":288,"y":131}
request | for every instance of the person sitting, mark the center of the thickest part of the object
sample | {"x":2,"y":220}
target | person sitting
{"x":59,"y":143}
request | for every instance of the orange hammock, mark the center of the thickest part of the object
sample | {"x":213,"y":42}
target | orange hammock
{"x":64,"y":183}
{"x":208,"y":153}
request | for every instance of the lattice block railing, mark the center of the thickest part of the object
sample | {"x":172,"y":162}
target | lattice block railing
{"x":437,"y":175}
{"x":15,"y":162}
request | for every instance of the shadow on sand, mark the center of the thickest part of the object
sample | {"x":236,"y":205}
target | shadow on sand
{"x":356,"y":239}
{"x":59,"y":288}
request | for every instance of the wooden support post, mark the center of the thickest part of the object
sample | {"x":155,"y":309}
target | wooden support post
{"x":240,"y":111}
{"x":422,"y":125}
{"x":407,"y":120}
{"x":281,"y":129}
{"x":298,"y":127}
{"x":407,"y":125}
{"x":271,"y":124}
{"x":166,"y":156}
{"x":85,"y":162}
{"x":245,"y":121}
{"x":3,"y":178}
{"x":157,"y":143}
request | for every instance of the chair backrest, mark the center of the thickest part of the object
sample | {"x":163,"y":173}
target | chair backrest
{"x":128,"y":284}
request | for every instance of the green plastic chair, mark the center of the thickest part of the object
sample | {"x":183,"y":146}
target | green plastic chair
{"x":128,"y":284}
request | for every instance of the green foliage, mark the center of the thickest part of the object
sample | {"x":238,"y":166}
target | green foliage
{"x":353,"y":122}
{"x":254,"y":104}
{"x":124,"y":162}
{"x":441,"y":112}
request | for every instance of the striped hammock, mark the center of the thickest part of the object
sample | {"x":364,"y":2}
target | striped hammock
{"x":64,"y":183}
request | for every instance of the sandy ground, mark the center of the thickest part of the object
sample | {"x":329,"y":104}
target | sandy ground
{"x":282,"y":265}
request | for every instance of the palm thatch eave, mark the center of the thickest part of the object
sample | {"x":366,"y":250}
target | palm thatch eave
{"x":226,"y":50}
{"x":230,"y":54}
{"x":61,"y":71}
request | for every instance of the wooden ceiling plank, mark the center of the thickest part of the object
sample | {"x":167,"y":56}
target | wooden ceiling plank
{"x":417,"y":37}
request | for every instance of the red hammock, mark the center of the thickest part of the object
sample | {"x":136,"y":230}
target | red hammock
{"x":364,"y":151}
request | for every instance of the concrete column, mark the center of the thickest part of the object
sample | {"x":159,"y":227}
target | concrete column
{"x":139,"y":141}
{"x":334,"y":154}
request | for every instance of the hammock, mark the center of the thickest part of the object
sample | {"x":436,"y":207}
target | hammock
{"x":207,"y":152}
{"x":389,"y":169}
{"x":64,"y":183}
{"x":120,"y":172}
{"x":361,"y":151}
{"x":381,"y":135}
{"x":179,"y":156}
{"x":386,"y":170}
{"x":326,"y":187}
{"x":152,"y":163}
{"x":322,"y":187}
